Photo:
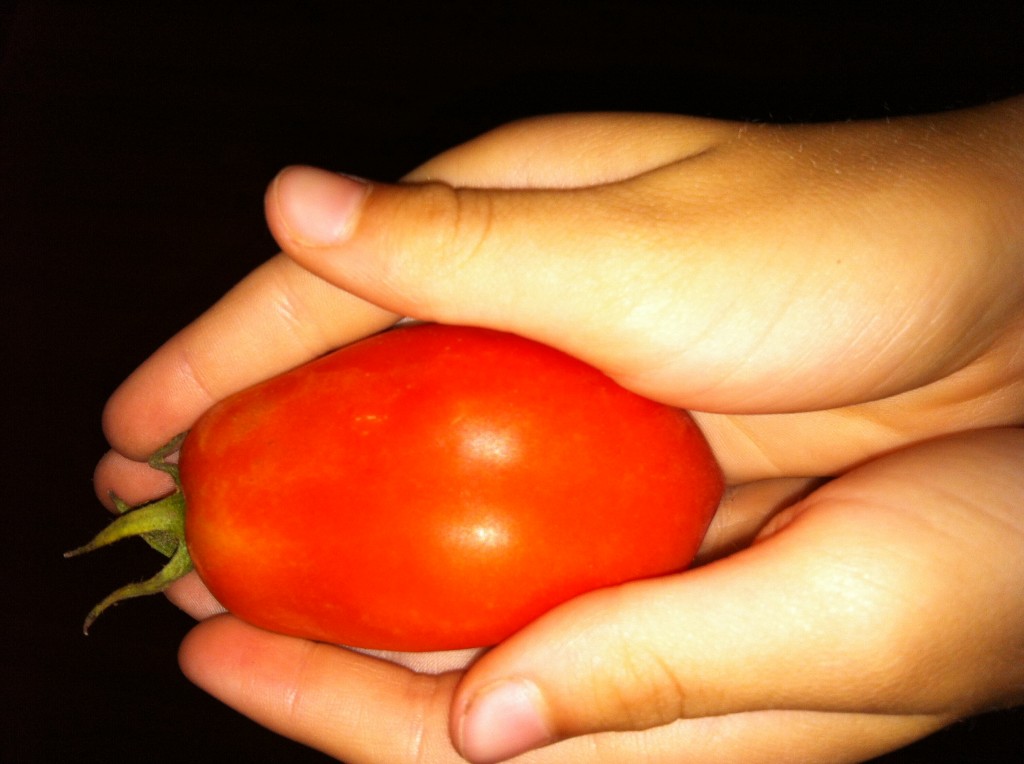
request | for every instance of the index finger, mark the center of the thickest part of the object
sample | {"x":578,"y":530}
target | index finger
{"x":276,"y":318}
{"x":361,"y":710}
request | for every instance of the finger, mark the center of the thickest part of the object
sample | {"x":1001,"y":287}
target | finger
{"x":365,"y":711}
{"x":439,"y":662}
{"x":745,"y":510}
{"x":335,"y":700}
{"x":572,"y":150}
{"x":133,"y":481}
{"x":462,"y":256}
{"x":892,"y":590}
{"x":191,"y":595}
{"x":278,"y":317}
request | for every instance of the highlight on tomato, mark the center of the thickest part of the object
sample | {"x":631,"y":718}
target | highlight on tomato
{"x":428,"y":488}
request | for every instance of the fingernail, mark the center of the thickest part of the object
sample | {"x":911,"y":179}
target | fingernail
{"x":316,"y":206}
{"x":502,"y":721}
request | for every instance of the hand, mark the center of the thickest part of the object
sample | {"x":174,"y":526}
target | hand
{"x":869,"y":615}
{"x":699,"y":263}
{"x":880,"y":608}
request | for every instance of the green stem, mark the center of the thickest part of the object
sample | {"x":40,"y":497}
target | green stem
{"x":160,"y":523}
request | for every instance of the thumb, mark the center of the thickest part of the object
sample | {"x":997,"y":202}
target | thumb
{"x":867,"y":601}
{"x":653,"y":297}
{"x":546,"y":264}
{"x":430,"y":250}
{"x":682,"y":283}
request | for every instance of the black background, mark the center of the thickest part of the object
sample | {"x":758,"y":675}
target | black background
{"x":135,"y":143}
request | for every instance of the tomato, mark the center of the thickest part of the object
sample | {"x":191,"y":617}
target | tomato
{"x":437,"y":487}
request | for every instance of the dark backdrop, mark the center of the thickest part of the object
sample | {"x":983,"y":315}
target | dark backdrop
{"x":135,"y":143}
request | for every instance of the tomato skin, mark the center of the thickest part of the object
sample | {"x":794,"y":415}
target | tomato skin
{"x":437,"y":487}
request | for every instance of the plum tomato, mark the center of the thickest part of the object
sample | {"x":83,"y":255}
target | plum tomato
{"x":436,"y":487}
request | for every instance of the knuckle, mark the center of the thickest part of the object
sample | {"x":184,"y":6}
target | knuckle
{"x":427,"y":699}
{"x":441,"y":246}
{"x":633,"y":682}
{"x":291,"y":314}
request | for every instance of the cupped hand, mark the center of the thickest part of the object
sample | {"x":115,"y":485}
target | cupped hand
{"x":830,"y":292}
{"x":852,"y":288}
{"x":823,"y":295}
{"x":883,"y":606}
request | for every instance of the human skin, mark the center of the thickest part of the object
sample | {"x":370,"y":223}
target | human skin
{"x":842,"y":307}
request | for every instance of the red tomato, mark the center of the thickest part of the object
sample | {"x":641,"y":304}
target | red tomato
{"x":437,"y":487}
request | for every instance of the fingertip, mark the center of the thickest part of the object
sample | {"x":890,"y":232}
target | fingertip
{"x":190,"y":594}
{"x":133,"y":481}
{"x":310,"y":207}
{"x":194,"y":649}
{"x":154,"y":403}
{"x":213,"y":654}
{"x":502,"y":720}
{"x":115,"y":424}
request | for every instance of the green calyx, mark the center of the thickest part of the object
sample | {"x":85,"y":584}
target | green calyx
{"x":160,"y":523}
